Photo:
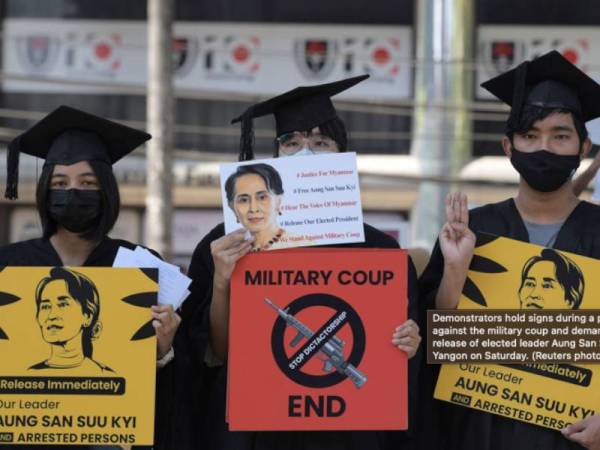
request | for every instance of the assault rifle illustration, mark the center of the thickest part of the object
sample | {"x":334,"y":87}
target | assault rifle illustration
{"x":332,"y":351}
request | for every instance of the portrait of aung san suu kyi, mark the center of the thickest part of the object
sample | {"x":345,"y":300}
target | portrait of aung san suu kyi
{"x":254,"y":194}
{"x":68,"y":315}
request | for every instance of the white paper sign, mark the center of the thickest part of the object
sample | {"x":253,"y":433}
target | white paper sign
{"x":172,"y":283}
{"x":294,"y":201}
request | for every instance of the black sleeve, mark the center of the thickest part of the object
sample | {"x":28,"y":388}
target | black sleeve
{"x":429,"y":282}
{"x":182,"y":384}
{"x":414,"y":363}
{"x":180,"y":401}
{"x":377,"y":239}
{"x":196,"y":307}
{"x":413,"y":291}
{"x":17,"y":254}
{"x":5,"y":256}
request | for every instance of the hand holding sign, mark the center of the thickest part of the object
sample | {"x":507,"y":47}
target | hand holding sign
{"x":407,"y":338}
{"x":586,"y":432}
{"x":165,"y":322}
{"x":225,"y":252}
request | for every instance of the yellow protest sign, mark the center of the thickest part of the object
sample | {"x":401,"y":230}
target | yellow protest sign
{"x":78,"y":355}
{"x":510,"y":274}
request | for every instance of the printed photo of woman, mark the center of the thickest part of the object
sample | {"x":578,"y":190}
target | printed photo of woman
{"x":254,"y":194}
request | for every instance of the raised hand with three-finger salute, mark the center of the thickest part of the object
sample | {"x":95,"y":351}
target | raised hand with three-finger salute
{"x":457,"y":242}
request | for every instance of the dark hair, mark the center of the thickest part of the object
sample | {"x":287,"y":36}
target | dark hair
{"x":268,"y":173}
{"x":568,"y":275}
{"x":336,"y":130}
{"x":82,"y":289}
{"x":109,"y":194}
{"x":531,"y":114}
{"x":333,"y":128}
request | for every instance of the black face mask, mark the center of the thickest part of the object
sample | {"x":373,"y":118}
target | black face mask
{"x":544,"y":171}
{"x":76,"y":210}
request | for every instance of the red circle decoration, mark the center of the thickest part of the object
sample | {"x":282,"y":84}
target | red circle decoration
{"x":381,"y":56}
{"x":103,"y":50}
{"x":571,"y":55}
{"x":241,"y":54}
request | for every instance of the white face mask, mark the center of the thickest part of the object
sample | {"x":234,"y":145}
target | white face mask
{"x":305,"y":151}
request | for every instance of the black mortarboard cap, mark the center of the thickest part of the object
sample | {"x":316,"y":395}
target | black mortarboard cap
{"x":68,"y":135}
{"x":300,"y":109}
{"x":549,"y":81}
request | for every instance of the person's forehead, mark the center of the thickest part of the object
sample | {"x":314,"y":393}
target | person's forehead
{"x":555,"y":119}
{"x":250,"y":181}
{"x":314,"y":130}
{"x":55,"y":287}
{"x":75,"y":169}
{"x":542,"y":267}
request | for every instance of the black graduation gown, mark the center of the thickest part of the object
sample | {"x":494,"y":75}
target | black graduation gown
{"x":177,"y":391}
{"x":219,"y":438}
{"x":447,"y":426}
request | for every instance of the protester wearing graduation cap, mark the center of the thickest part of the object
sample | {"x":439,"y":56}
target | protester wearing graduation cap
{"x":545,"y":139}
{"x":78,"y":203}
{"x":306,"y":123}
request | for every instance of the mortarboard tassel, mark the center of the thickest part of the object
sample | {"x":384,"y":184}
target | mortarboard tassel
{"x":247,"y":136}
{"x":12,"y":172}
{"x":518,"y":96}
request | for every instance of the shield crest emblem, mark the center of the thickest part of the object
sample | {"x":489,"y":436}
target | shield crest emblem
{"x":502,"y":54}
{"x":499,"y":56}
{"x":37,"y":53}
{"x":315,"y":57}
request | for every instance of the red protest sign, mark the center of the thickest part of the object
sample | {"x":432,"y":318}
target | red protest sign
{"x":310,"y":341}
